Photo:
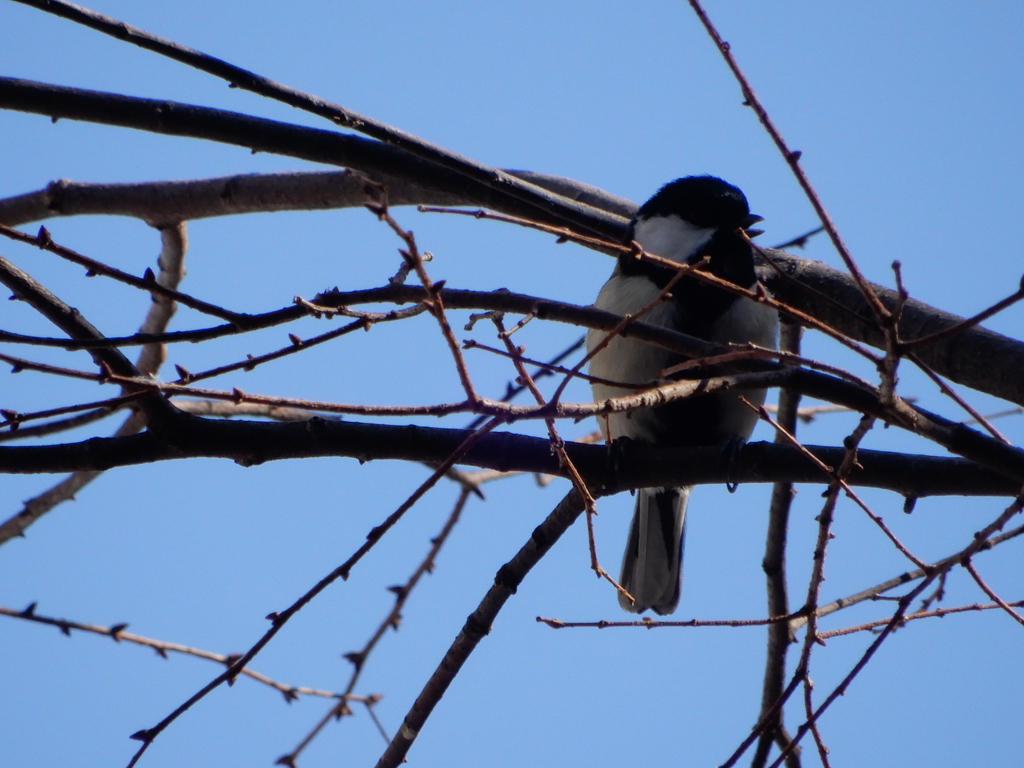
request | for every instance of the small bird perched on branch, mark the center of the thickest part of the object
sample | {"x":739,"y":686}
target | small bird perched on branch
{"x":687,"y":220}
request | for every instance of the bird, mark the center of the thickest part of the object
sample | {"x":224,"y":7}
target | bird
{"x":685,"y":221}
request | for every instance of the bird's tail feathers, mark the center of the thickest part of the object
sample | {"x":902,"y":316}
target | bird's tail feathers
{"x":652,"y":564}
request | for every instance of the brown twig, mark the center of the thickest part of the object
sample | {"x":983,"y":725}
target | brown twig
{"x":53,"y":427}
{"x":297,"y":345}
{"x":954,"y":330}
{"x":978,"y":543}
{"x":163,"y":647}
{"x":279,"y":619}
{"x":148,"y":283}
{"x":547,"y":368}
{"x":19,"y":364}
{"x":841,"y":688}
{"x":433,"y":302}
{"x":951,"y":393}
{"x":818,"y":740}
{"x":774,"y":566}
{"x":872,"y":593}
{"x":648,"y":623}
{"x":392,"y":620}
{"x":14,"y":420}
{"x":506,"y":581}
{"x":792,"y":158}
{"x":991,"y":592}
{"x":825,"y":518}
{"x":836,"y":478}
{"x":938,"y":612}
{"x":558,"y":446}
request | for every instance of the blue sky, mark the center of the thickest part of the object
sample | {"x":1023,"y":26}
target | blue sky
{"x":909,"y":118}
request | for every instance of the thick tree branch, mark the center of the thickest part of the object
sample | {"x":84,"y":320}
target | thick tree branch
{"x":250,"y":443}
{"x":262,"y":135}
{"x":959,"y":358}
{"x":159,"y":202}
{"x":582,"y":216}
{"x":977,"y":358}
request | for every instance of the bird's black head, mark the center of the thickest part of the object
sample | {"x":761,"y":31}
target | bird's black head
{"x":706,"y":202}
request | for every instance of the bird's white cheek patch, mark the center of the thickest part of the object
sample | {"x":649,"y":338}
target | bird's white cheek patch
{"x":670,"y":237}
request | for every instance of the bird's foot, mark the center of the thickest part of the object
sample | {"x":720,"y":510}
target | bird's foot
{"x":730,"y":456}
{"x":617,"y":454}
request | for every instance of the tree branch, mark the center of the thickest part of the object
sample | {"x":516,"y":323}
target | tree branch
{"x":478,"y":625}
{"x":977,"y":358}
{"x":250,"y":443}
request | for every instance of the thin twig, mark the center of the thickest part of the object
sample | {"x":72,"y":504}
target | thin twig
{"x":801,"y":674}
{"x":799,"y":241}
{"x":835,"y":478}
{"x":872,"y":593}
{"x":558,"y":446}
{"x":297,"y":345}
{"x":59,"y":425}
{"x":967,"y":323}
{"x":991,"y":592}
{"x":951,"y":393}
{"x":14,"y":420}
{"x":978,"y":543}
{"x":279,"y":619}
{"x":392,"y":620}
{"x":433,"y":301}
{"x":648,"y":623}
{"x":938,"y":612}
{"x":148,"y":283}
{"x":818,"y":741}
{"x":506,"y":581}
{"x":162,"y":647}
{"x":792,"y":158}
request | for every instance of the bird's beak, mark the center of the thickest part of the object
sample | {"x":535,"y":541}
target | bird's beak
{"x":749,"y":221}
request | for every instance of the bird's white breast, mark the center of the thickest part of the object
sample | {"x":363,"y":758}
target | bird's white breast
{"x":633,"y":362}
{"x":626,"y":360}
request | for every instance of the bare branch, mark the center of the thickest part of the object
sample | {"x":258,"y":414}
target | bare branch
{"x":147,"y":283}
{"x":774,"y":566}
{"x":171,"y":262}
{"x":251,"y":442}
{"x":938,"y":612}
{"x":279,"y":619}
{"x":506,"y":581}
{"x":792,"y":157}
{"x":977,"y":358}
{"x":392,"y":621}
{"x":991,"y":592}
{"x":162,"y":647}
{"x":491,"y":178}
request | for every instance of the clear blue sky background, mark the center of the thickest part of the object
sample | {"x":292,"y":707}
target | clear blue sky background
{"x":910,"y":119}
